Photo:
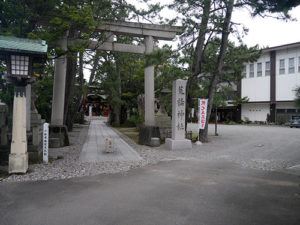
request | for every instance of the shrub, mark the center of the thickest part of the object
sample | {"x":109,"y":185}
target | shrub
{"x":231,"y":123}
{"x":282,"y":119}
{"x":135,"y":120}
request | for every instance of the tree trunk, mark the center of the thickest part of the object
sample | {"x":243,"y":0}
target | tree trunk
{"x":69,"y":91}
{"x":196,"y":67}
{"x":70,"y":75}
{"x":117,"y":108}
{"x":74,"y":108}
{"x":95,"y":63}
{"x":219,"y":67}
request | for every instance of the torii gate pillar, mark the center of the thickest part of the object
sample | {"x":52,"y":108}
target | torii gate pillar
{"x":58,"y":133}
{"x":149,"y":85}
{"x":60,"y":69}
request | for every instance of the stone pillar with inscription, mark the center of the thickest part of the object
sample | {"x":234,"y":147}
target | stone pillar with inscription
{"x":178,"y":140}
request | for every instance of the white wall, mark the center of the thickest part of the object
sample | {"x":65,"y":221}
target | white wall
{"x":286,"y":83}
{"x":255,"y":111}
{"x":257,"y":88}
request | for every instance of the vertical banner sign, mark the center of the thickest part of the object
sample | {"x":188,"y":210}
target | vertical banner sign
{"x":90,"y":112}
{"x":193,"y":113}
{"x":45,"y":142}
{"x":202,"y":104}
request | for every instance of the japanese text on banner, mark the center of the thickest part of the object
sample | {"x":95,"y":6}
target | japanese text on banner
{"x":202,"y":104}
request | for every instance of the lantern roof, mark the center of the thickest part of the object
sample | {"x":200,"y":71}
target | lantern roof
{"x":22,"y":45}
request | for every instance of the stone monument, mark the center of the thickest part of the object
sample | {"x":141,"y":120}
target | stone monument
{"x":36,"y":128}
{"x":162,"y":120}
{"x":178,"y":140}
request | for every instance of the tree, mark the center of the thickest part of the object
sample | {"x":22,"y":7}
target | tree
{"x":297,"y":100}
{"x":207,"y":27}
{"x":50,"y":21}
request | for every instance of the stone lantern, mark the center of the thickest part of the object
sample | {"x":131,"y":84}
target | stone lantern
{"x":20,"y":54}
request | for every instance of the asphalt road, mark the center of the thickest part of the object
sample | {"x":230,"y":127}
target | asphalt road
{"x":188,"y":191}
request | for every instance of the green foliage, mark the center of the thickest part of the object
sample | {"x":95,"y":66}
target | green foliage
{"x":272,"y":6}
{"x":136,"y":120}
{"x":231,"y":123}
{"x":282,"y":119}
{"x":7,"y":94}
{"x":44,"y":90}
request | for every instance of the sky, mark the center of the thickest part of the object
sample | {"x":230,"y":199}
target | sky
{"x":269,"y":31}
{"x":265,"y":32}
{"x":262,"y":31}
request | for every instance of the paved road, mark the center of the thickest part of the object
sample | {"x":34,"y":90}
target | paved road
{"x":177,"y":192}
{"x":259,"y":147}
{"x":250,"y":183}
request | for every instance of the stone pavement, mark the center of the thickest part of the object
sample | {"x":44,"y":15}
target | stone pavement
{"x":93,"y":149}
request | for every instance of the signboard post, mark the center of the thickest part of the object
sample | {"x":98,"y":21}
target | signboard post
{"x":202,"y":114}
{"x":90,"y":112}
{"x":45,"y":142}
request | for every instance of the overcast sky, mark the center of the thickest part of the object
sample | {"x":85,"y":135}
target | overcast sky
{"x":262,"y":31}
{"x":266,"y":32}
{"x":269,"y":31}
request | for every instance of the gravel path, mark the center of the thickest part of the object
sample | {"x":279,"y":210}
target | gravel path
{"x":258,"y":147}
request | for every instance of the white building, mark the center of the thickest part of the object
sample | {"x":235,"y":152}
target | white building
{"x":270,"y":82}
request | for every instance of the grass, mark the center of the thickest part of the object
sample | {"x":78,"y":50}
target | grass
{"x":133,"y":138}
{"x":194,"y":137}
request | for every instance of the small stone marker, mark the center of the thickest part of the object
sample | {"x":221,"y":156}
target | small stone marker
{"x":109,"y":145}
{"x":45,"y":142}
{"x":178,"y":140}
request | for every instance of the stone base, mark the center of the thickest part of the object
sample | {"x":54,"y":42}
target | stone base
{"x":18,"y":163}
{"x":35,"y":156}
{"x":146,"y":133}
{"x":54,"y":143}
{"x":155,"y":142}
{"x":58,"y":132}
{"x":172,"y":144}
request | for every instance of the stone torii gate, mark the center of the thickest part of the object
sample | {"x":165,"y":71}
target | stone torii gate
{"x":148,"y":31}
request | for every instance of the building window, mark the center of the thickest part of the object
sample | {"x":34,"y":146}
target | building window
{"x":291,"y":65}
{"x":281,"y":66}
{"x":259,"y":69}
{"x":267,"y":71}
{"x":244,"y":72}
{"x":299,"y":64}
{"x":251,"y":72}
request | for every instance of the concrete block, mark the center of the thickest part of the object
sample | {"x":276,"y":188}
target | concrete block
{"x":18,"y":163}
{"x":148,"y":132}
{"x":172,"y":144}
{"x":155,"y":142}
{"x":54,"y":143}
{"x":61,"y":132}
{"x":109,"y":145}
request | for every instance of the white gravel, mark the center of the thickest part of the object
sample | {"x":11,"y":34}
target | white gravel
{"x":257,"y":147}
